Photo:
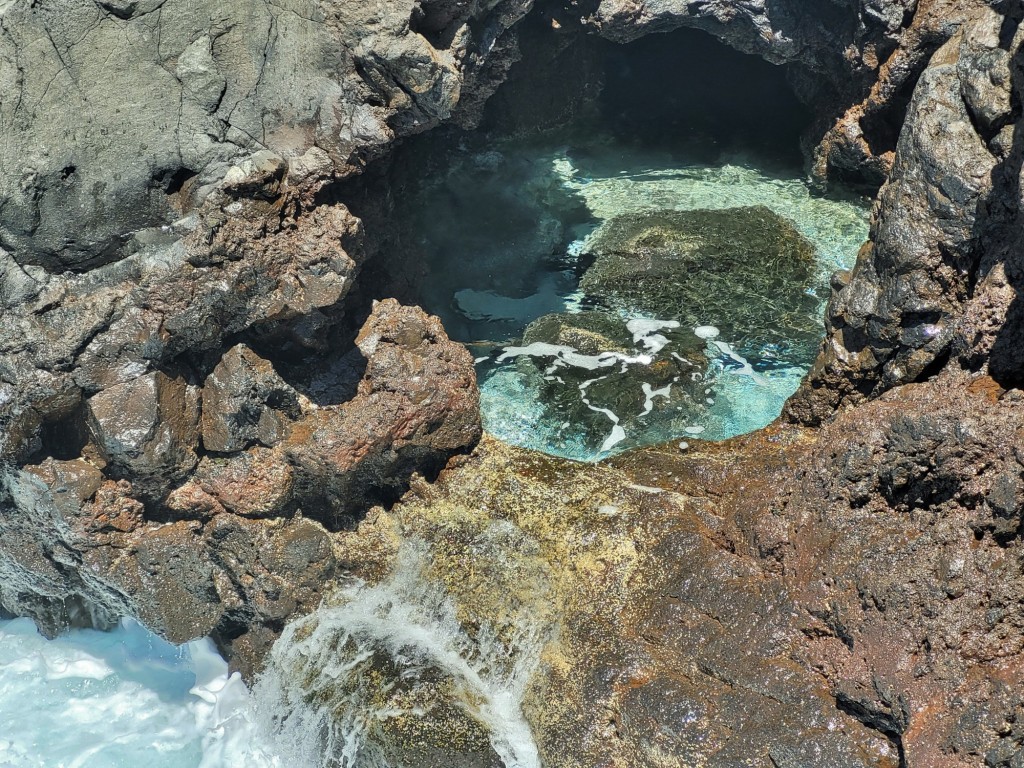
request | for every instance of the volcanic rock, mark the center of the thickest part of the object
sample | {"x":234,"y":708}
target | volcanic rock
{"x":147,"y":428}
{"x":245,"y":402}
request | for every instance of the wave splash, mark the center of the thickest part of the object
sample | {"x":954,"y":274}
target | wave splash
{"x":382,"y":665}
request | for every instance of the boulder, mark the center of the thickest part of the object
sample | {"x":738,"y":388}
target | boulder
{"x":147,"y":428}
{"x":416,"y":405}
{"x":746,"y":271}
{"x":590,"y":366}
{"x":906,"y":301}
{"x":245,"y":402}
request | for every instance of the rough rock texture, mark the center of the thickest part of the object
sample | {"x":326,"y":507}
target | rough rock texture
{"x":199,"y":87}
{"x":245,"y":402}
{"x":238,"y":546}
{"x":843,"y":595}
{"x":942,"y":236}
{"x":699,"y":266}
{"x":862,"y":57}
{"x":844,"y":592}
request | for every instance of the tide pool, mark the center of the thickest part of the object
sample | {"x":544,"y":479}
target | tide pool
{"x":515,"y":238}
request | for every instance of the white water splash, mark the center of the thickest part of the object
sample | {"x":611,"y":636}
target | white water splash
{"x":335,"y":670}
{"x":122,"y":698}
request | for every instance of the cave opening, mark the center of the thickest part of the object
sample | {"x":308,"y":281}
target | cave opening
{"x":627,"y":243}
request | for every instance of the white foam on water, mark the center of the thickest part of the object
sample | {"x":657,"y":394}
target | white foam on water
{"x":617,"y":435}
{"x":123,"y":698}
{"x":650,"y":393}
{"x":316,"y":671}
{"x":745,"y":369}
{"x":645,"y":332}
{"x":613,"y":180}
{"x":567,"y":356}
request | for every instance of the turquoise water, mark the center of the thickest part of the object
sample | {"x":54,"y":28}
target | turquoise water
{"x":123,"y":699}
{"x":506,"y":234}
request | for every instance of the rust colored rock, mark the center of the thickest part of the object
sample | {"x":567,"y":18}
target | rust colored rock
{"x":256,"y":483}
{"x":71,"y":482}
{"x":416,"y":406}
{"x":190,"y":501}
{"x":114,"y":510}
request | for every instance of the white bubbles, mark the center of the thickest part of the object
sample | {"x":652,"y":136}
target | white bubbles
{"x":706,"y":332}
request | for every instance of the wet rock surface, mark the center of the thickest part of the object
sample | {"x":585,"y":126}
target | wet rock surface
{"x":836,"y":596}
{"x":232,"y":543}
{"x":745,"y":270}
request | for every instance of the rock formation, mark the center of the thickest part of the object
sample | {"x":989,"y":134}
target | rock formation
{"x":192,"y":430}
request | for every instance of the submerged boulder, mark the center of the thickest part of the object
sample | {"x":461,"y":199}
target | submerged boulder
{"x":612,"y":378}
{"x":747,"y":271}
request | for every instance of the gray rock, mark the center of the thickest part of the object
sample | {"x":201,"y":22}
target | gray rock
{"x":898,"y":312}
{"x":149,"y":103}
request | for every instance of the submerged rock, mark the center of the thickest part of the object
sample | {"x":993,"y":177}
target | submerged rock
{"x":745,"y":270}
{"x":612,"y":379}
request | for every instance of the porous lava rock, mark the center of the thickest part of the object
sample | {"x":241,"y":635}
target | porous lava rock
{"x":840,"y":589}
{"x":936,"y":269}
{"x":245,"y":402}
{"x":242,"y":541}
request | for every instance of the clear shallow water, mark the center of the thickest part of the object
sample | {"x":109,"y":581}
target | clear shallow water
{"x":125,"y":698}
{"x":507,"y":233}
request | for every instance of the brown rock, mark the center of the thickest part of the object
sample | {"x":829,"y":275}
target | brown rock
{"x":114,"y":509}
{"x":256,"y":483}
{"x":416,"y":405}
{"x":245,"y":402}
{"x":71,"y":482}
{"x":147,"y":428}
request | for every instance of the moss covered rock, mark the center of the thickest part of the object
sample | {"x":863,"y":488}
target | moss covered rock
{"x":747,"y":271}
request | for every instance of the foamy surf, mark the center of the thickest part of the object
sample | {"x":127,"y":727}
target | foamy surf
{"x":123,"y":698}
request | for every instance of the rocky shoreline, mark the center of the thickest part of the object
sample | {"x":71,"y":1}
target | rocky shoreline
{"x":205,"y":426}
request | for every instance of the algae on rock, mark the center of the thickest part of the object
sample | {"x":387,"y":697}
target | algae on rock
{"x":746,"y":270}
